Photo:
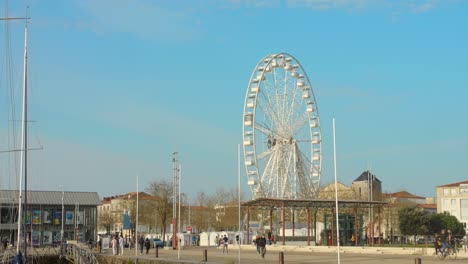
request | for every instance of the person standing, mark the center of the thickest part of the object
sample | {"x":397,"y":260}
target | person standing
{"x":225,"y":244}
{"x":99,"y":244}
{"x":121,"y":245}
{"x":114,"y":246}
{"x":5,"y":244}
{"x":437,"y":244}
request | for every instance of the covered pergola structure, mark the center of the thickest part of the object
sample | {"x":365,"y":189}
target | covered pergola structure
{"x":314,"y":204}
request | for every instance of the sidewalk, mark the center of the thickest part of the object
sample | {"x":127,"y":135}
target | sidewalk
{"x":425,"y":251}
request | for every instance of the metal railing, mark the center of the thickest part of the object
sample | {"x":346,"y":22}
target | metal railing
{"x":79,"y":253}
{"x":7,"y":256}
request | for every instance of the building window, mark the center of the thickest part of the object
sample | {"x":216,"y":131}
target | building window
{"x":446,"y":203}
{"x":453,"y":202}
{"x":454,"y":213}
{"x":464,"y":209}
{"x":453,"y":191}
{"x":446,"y":191}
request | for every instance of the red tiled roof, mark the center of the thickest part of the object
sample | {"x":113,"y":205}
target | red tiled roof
{"x":428,"y":206}
{"x":405,"y":194}
{"x":456,"y":184}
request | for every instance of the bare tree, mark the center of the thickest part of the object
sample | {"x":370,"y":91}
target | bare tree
{"x":162,"y":190}
{"x":106,"y":220}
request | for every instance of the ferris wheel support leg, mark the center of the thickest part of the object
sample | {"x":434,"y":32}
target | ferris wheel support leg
{"x":282,"y":220}
{"x":308,"y":226}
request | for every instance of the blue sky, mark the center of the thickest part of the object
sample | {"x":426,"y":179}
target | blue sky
{"x":117,"y":85}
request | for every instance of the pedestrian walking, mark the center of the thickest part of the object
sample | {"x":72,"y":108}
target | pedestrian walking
{"x":147,"y":245}
{"x":141,"y":242}
{"x":225,"y":244}
{"x":262,"y":245}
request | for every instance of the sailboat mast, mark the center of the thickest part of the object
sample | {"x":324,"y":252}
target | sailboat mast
{"x":24,"y":144}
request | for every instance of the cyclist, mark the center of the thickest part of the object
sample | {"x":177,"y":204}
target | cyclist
{"x":443,"y":240}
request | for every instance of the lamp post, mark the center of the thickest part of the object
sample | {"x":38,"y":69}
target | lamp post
{"x":336,"y":193}
{"x":63,"y":218}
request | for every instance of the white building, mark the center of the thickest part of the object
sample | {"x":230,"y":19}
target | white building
{"x":453,"y":198}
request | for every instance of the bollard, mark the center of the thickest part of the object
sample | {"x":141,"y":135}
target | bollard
{"x":281,"y":258}
{"x":417,"y":261}
{"x":157,"y":253}
{"x":205,"y":255}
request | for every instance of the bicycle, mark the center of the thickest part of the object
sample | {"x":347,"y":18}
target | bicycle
{"x":450,"y":251}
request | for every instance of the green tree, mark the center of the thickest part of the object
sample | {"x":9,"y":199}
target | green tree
{"x":413,"y":221}
{"x":446,"y":221}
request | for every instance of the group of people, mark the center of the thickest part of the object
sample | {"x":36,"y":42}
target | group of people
{"x":117,"y":245}
{"x":260,"y":242}
{"x":144,"y":243}
{"x":443,"y":241}
{"x":224,"y":241}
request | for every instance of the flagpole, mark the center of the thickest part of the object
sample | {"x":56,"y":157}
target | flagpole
{"x":238,"y":200}
{"x":336,"y":192}
{"x":178,"y":225}
{"x":136,"y":224}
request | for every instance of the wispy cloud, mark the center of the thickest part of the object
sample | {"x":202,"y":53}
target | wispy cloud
{"x":250,"y":3}
{"x":143,"y":18}
{"x":333,"y":4}
{"x":415,"y":6}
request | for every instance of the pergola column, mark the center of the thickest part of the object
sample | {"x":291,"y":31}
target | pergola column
{"x":293,"y":220}
{"x":315,"y":226}
{"x":248,"y":225}
{"x":355,"y":227}
{"x":380,"y":230}
{"x":308,"y":226}
{"x":282,"y":219}
{"x":333,"y":227}
{"x":271,"y":221}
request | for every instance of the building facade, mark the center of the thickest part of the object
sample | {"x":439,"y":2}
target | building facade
{"x":46,"y":213}
{"x":453,"y":198}
{"x":367,"y":187}
{"x":117,"y":214}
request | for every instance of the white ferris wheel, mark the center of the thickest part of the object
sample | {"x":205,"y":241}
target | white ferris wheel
{"x":282,"y":138}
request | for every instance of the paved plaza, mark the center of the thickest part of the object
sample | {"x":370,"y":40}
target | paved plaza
{"x":291,"y":255}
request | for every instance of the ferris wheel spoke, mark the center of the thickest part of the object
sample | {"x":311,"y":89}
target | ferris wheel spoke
{"x":300,"y":123}
{"x":267,"y":108}
{"x":263,"y":129}
{"x":266,"y":153}
{"x":273,"y":102}
{"x":267,"y":172}
{"x":293,"y":106}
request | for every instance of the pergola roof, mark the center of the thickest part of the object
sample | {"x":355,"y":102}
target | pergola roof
{"x":310,"y":203}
